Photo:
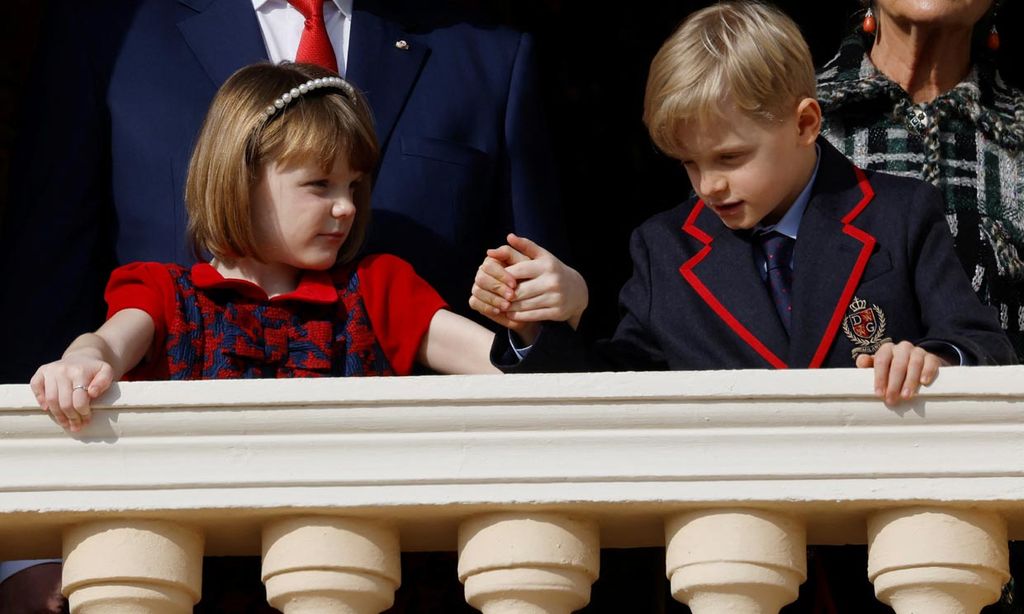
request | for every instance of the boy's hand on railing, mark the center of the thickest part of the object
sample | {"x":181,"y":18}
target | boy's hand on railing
{"x":900,"y":370}
{"x":67,"y":387}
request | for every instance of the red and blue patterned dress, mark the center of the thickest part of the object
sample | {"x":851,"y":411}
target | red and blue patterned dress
{"x":365,"y":318}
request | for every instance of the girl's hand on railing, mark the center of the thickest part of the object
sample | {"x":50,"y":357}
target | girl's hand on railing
{"x":67,"y":387}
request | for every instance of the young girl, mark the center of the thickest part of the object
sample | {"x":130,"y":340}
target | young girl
{"x":278,"y":194}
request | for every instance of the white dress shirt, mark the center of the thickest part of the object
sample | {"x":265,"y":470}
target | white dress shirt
{"x":282,"y":26}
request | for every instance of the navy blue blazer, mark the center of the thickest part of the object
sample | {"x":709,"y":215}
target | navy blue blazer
{"x":873,"y":254}
{"x":98,"y":178}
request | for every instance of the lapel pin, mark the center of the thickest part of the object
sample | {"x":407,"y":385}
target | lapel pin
{"x":401,"y":44}
{"x":865,"y":327}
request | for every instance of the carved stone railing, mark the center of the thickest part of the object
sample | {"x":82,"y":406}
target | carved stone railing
{"x":527,"y":476}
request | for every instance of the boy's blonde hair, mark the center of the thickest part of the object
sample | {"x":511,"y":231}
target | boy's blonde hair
{"x":238,"y":138}
{"x":742,"y":53}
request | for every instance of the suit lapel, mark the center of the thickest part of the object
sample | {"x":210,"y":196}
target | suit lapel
{"x":725,"y":277}
{"x":224,"y":35}
{"x":385,"y":72}
{"x":830,"y":257}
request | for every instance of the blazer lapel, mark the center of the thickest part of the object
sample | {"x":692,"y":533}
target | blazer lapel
{"x":224,"y":35}
{"x":831,"y":253}
{"x":725,"y":277}
{"x":382,"y":68}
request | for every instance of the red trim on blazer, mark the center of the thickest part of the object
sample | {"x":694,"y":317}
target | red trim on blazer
{"x":844,"y":298}
{"x":702,"y":290}
{"x":858,"y":268}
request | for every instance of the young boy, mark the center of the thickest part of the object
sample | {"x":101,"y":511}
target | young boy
{"x":788,"y":255}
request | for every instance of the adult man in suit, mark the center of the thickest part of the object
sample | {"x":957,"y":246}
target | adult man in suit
{"x":98,"y":177}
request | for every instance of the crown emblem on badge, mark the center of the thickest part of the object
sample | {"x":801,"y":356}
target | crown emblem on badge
{"x":865,"y":327}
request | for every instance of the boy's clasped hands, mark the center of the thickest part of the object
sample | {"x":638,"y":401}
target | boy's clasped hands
{"x":520,"y":284}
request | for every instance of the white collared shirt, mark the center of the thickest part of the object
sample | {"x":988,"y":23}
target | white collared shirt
{"x":282,"y":26}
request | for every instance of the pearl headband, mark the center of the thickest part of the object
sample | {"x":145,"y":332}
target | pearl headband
{"x":305,"y":88}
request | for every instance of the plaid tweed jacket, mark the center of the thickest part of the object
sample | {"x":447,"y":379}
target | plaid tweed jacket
{"x":967,"y":142}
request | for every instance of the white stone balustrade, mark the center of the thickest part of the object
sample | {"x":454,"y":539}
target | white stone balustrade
{"x":935,"y":560}
{"x":528,"y":563}
{"x":744,"y":561}
{"x":527,"y":476}
{"x":314,"y":564}
{"x":132,"y":567}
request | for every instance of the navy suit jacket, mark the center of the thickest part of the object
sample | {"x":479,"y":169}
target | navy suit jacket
{"x":98,"y":179}
{"x":697,"y":301}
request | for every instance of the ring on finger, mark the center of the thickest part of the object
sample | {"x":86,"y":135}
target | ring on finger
{"x":79,"y":387}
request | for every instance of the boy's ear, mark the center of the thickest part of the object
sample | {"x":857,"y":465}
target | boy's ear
{"x":808,"y":121}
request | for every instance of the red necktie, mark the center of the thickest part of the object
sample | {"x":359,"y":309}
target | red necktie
{"x":315,"y":45}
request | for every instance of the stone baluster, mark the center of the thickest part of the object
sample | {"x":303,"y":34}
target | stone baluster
{"x":741,"y":561}
{"x":528,"y":563}
{"x":132,"y":567}
{"x":329,"y":565}
{"x":936,"y":560}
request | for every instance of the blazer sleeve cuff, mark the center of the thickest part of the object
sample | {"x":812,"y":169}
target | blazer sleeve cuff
{"x":947,"y":351}
{"x":547,"y":354}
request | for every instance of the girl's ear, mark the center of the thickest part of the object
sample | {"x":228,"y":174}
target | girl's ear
{"x":808,"y":121}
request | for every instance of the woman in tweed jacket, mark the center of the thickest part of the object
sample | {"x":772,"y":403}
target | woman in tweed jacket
{"x":912,"y":99}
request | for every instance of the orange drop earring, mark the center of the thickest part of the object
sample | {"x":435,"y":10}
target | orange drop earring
{"x":870,"y":25}
{"x":993,"y":39}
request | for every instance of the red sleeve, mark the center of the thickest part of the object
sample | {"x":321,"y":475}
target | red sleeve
{"x":146,"y":286}
{"x":400,"y":305}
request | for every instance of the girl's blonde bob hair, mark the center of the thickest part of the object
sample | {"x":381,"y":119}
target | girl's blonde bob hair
{"x":740,"y":53}
{"x":238,"y":139}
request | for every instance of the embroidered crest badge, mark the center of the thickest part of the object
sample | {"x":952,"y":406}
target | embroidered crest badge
{"x":865,"y":327}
